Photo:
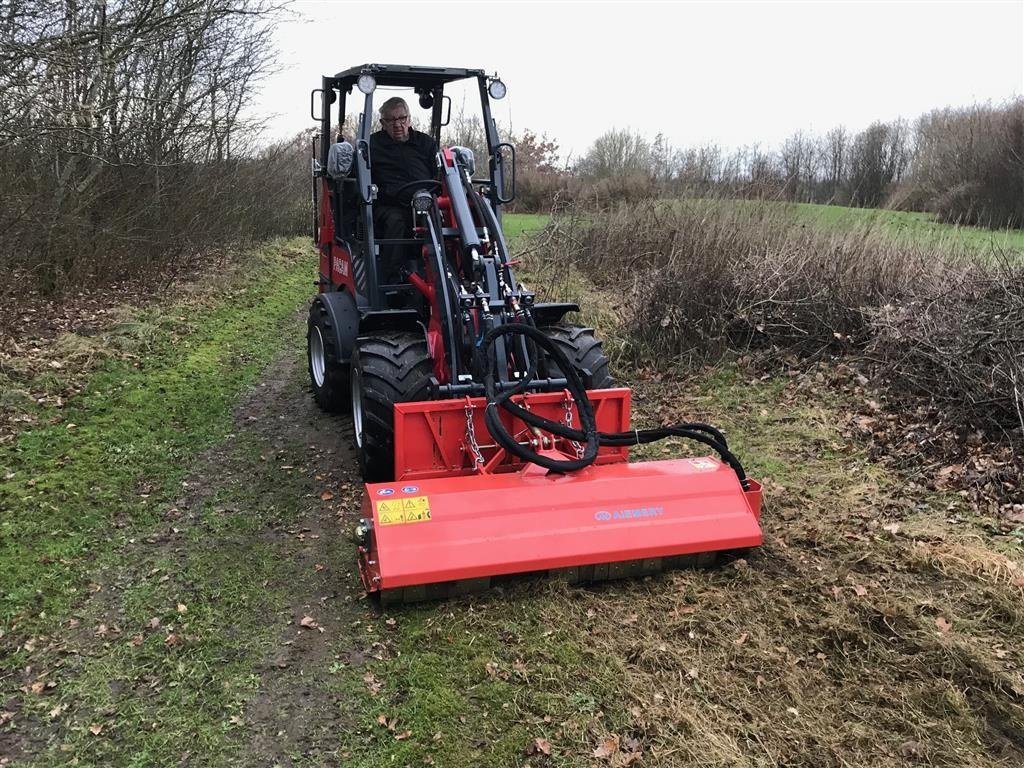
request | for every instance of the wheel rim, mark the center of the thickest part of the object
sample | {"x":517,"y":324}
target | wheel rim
{"x":357,"y":406}
{"x":317,"y":366}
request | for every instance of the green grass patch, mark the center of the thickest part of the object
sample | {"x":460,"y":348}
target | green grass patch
{"x":105,"y":461}
{"x":476,"y":683}
{"x":911,"y":228}
{"x":518,"y":224}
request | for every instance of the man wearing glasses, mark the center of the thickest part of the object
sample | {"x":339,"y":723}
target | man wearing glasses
{"x":398,"y":154}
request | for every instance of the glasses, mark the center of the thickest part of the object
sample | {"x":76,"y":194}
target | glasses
{"x":395,"y":120}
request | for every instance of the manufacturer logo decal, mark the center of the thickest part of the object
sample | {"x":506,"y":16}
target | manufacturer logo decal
{"x":410,"y":488}
{"x":385,"y":491}
{"x":628,"y":514}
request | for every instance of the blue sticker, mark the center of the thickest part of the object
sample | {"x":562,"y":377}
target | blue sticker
{"x":602,"y":515}
{"x":410,"y":488}
{"x":385,"y":491}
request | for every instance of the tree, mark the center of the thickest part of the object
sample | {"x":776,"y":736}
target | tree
{"x":835,"y":150}
{"x":617,"y":153}
{"x":878,"y":157}
{"x":108,"y":111}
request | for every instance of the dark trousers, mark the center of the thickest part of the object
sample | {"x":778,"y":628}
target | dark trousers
{"x":392,"y":221}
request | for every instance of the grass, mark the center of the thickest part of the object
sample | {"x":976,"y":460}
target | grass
{"x":91,"y":484}
{"x":910,"y":227}
{"x":115,"y":451}
{"x":518,"y":224}
{"x":688,"y":668}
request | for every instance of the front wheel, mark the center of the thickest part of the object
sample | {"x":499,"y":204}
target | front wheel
{"x":328,"y":376}
{"x":386,"y":369}
{"x":583,"y":348}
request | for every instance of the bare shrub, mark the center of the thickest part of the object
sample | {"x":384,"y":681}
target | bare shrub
{"x":700,"y":279}
{"x":959,"y":342}
{"x":122,"y":148}
{"x":540,"y":192}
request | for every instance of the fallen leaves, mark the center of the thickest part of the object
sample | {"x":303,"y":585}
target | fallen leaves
{"x":539,"y":746}
{"x":95,"y":729}
{"x":619,"y":753}
{"x":608,"y":747}
{"x":308,"y":622}
{"x":944,"y":625}
{"x":373,"y":685}
{"x":391,"y":723}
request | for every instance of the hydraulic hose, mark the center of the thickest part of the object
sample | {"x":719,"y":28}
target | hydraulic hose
{"x":701,"y":433}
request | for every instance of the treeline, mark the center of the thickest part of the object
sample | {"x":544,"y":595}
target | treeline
{"x":122,"y":146}
{"x":965,"y":165}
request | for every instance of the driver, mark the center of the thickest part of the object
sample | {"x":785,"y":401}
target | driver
{"x":400,"y":154}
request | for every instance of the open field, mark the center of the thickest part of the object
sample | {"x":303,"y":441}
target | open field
{"x":176,"y":586}
{"x":911,"y":227}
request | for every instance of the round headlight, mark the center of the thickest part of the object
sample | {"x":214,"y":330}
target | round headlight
{"x":496,"y":89}
{"x":366,"y":84}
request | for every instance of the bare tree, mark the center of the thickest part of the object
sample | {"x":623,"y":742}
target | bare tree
{"x":969,"y":164}
{"x":835,"y":157}
{"x":111,"y":113}
{"x":617,"y":153}
{"x":879,"y":156}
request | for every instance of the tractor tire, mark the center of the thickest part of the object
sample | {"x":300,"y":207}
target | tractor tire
{"x":386,"y":369}
{"x":328,"y":376}
{"x":583,"y":348}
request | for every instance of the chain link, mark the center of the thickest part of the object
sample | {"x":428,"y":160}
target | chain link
{"x":568,"y":422}
{"x":474,"y":447}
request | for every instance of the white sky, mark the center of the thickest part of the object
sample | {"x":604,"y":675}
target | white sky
{"x":731,"y":73}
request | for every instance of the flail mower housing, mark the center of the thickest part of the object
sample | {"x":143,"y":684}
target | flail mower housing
{"x":489,"y":432}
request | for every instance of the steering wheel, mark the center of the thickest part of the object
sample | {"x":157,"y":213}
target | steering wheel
{"x":424,"y":183}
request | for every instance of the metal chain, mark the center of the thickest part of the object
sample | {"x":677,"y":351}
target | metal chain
{"x":568,"y":422}
{"x":478,"y":457}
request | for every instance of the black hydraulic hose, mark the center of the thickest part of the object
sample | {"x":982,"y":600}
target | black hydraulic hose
{"x":701,"y":433}
{"x":573,"y":383}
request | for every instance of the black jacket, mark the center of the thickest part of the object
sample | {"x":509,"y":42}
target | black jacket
{"x":394,"y":163}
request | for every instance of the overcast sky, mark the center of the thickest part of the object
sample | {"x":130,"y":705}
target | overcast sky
{"x":731,"y":73}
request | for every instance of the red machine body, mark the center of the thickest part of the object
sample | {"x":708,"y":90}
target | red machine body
{"x":461,"y":510}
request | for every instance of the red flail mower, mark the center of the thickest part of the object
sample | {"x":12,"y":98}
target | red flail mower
{"x":490,"y":434}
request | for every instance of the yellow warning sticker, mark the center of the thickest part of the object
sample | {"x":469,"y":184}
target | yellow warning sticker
{"x":413,"y":509}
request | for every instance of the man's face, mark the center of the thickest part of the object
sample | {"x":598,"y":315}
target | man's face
{"x":396,"y":123}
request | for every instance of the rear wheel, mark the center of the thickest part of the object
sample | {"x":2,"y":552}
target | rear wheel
{"x":328,"y":376}
{"x":583,"y":348}
{"x":387,"y":369}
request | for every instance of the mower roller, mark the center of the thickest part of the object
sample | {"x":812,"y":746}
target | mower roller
{"x":489,"y":432}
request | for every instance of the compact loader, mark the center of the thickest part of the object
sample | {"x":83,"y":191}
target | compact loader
{"x":490,"y":435}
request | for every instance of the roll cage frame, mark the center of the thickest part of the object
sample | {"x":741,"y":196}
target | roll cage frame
{"x":427,"y":82}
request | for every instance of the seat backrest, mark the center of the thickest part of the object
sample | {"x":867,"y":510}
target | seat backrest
{"x":339,"y":160}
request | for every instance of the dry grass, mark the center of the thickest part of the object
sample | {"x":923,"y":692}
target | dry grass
{"x":698,"y":279}
{"x":846,"y":640}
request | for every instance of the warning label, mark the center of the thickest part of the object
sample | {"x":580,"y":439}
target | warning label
{"x":413,"y":509}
